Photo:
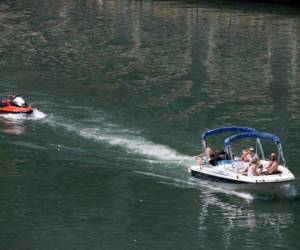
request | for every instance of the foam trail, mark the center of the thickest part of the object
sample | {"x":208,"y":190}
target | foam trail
{"x":135,"y":143}
{"x":246,"y":196}
{"x":127,"y":139}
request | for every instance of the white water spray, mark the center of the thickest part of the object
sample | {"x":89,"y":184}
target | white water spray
{"x":36,"y":115}
{"x":127,"y":139}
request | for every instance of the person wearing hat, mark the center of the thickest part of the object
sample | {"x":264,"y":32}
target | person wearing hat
{"x":252,"y":156}
{"x":273,"y":165}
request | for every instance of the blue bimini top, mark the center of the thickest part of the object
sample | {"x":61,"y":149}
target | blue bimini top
{"x":226,"y":129}
{"x":259,"y":135}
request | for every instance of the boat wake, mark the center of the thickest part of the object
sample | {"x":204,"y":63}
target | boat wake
{"x":134,"y":143}
{"x":130,"y":141}
{"x":199,"y":184}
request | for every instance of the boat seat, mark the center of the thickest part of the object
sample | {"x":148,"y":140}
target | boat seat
{"x":224,"y":162}
{"x":277,"y":172}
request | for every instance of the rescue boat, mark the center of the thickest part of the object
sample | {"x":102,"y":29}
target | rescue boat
{"x":15,"y":105}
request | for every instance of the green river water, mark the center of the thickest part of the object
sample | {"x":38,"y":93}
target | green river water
{"x":122,"y":90}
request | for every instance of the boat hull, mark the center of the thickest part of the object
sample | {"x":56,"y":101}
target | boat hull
{"x":16,"y":110}
{"x":227,"y":174}
{"x":210,"y":177}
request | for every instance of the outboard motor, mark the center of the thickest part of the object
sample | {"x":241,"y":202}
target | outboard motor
{"x":19,"y":101}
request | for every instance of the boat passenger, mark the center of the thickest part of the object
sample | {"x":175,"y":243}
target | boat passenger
{"x":219,"y":155}
{"x":273,"y":165}
{"x":254,"y":169}
{"x":12,"y":96}
{"x":244,"y":155}
{"x":2,"y":103}
{"x":208,"y":151}
{"x":206,"y":155}
{"x":252,"y":156}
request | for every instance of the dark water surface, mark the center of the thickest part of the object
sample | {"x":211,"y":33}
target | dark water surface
{"x":122,"y":90}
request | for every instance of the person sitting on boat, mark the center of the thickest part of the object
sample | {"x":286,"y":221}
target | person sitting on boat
{"x":208,"y":151}
{"x":244,"y":155}
{"x":254,"y":169}
{"x":273,"y":165}
{"x":206,"y":155}
{"x":218,"y":155}
{"x":12,"y":96}
{"x":252,"y":156}
{"x":2,"y":103}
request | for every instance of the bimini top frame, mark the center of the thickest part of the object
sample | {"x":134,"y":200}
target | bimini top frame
{"x":226,"y":129}
{"x":220,"y":130}
{"x":256,"y":135}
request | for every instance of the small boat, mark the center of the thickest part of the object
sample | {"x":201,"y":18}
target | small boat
{"x":15,"y":105}
{"x":228,"y":169}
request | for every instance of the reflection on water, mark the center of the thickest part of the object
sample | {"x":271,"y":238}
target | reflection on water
{"x":242,"y":223}
{"x":13,"y":127}
{"x":234,"y":219}
{"x":186,"y":56}
{"x":14,"y":123}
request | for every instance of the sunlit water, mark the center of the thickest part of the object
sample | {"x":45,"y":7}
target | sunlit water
{"x":121,"y":91}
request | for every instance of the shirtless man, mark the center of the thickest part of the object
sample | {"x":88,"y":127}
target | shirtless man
{"x":273,"y":166}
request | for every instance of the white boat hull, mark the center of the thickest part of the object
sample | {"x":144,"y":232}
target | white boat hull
{"x":228,"y":172}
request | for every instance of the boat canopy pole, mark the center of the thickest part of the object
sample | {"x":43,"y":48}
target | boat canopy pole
{"x":204,"y":146}
{"x":260,"y":148}
{"x":280,"y":154}
{"x":228,"y":151}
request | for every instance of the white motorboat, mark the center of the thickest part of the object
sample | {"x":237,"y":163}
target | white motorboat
{"x":229,"y":169}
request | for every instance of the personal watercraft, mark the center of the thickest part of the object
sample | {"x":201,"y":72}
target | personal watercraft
{"x":15,"y":105}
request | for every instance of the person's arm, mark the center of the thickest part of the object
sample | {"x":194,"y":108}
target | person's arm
{"x":201,"y":155}
{"x":208,"y":152}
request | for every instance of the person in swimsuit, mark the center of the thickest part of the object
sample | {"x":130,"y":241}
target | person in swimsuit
{"x":253,"y":169}
{"x":273,"y":165}
{"x":251,"y":159}
{"x":206,"y":155}
{"x":244,"y":155}
{"x":252,"y":156}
